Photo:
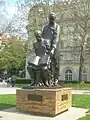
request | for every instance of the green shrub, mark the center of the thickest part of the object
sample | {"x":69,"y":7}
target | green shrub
{"x":87,"y":82}
{"x":70,"y":81}
{"x":73,"y":82}
{"x":23,"y":81}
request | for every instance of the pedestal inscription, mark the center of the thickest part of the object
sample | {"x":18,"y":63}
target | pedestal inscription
{"x":34,"y":97}
{"x":64,"y":97}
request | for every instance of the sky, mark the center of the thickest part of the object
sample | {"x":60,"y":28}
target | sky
{"x":7,"y":10}
{"x":12,"y":1}
{"x":11,"y":7}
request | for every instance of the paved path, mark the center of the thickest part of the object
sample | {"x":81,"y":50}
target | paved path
{"x":81,"y":92}
{"x":72,"y":114}
{"x":7,"y":90}
{"x":3,"y":84}
{"x":10,"y":90}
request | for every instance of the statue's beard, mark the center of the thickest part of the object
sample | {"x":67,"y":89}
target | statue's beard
{"x":39,"y":39}
{"x":51,"y":22}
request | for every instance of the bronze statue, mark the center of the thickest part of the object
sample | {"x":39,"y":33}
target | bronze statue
{"x":43,"y":66}
{"x":38,"y":63}
{"x":51,"y":32}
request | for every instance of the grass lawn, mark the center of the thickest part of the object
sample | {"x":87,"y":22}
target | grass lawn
{"x":20,"y":85}
{"x":78,"y":86}
{"x":82,"y":101}
{"x":85,"y":118}
{"x":7,"y":101}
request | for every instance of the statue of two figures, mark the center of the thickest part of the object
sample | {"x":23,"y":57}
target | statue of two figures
{"x":43,"y":66}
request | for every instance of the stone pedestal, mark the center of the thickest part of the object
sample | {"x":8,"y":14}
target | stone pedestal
{"x":48,"y":102}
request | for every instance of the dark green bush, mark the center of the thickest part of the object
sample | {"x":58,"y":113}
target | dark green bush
{"x":87,"y":82}
{"x":23,"y":81}
{"x":73,"y":82}
{"x":66,"y":82}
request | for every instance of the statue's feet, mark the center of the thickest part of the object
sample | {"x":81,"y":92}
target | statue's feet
{"x":46,"y":84}
{"x":55,"y":83}
{"x":27,"y":87}
{"x":32,"y":84}
{"x":37,"y":85}
{"x":50,"y":83}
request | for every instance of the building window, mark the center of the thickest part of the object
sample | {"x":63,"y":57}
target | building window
{"x":68,"y":74}
{"x":84,"y":75}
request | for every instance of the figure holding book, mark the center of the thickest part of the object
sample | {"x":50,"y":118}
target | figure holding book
{"x":39,"y":63}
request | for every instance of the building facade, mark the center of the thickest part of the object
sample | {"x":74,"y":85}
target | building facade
{"x":69,"y":65}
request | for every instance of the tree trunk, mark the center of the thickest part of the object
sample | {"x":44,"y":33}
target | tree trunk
{"x":81,"y":64}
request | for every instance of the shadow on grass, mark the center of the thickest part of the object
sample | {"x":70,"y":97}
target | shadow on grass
{"x":4,"y":106}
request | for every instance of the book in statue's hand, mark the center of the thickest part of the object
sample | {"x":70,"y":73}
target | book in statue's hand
{"x":33,"y":60}
{"x":38,"y":61}
{"x":44,"y":60}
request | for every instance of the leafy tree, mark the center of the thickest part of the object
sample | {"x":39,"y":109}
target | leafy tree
{"x":80,"y":12}
{"x":13,"y":55}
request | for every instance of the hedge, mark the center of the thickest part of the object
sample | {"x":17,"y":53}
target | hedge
{"x":87,"y":82}
{"x":66,"y":82}
{"x":73,"y":82}
{"x":28,"y":81}
{"x":23,"y":81}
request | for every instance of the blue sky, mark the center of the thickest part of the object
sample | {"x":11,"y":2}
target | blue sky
{"x":11,"y":7}
{"x":12,"y":1}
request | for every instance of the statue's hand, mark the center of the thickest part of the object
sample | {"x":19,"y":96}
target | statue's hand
{"x":47,"y":52}
{"x":52,"y":51}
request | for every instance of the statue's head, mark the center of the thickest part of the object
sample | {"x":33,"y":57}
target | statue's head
{"x":52,"y":17}
{"x":38,"y":35}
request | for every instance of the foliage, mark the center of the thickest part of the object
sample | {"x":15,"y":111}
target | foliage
{"x":23,"y":81}
{"x":80,"y":11}
{"x":21,"y":85}
{"x":13,"y":55}
{"x":72,"y":82}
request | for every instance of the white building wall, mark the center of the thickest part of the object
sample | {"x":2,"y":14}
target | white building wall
{"x":75,"y":71}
